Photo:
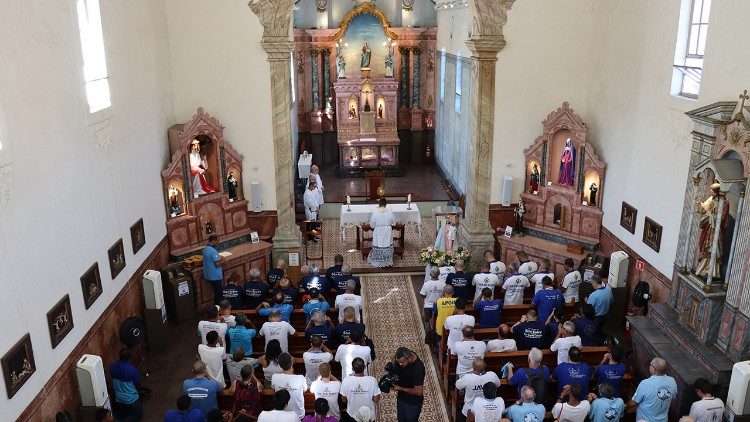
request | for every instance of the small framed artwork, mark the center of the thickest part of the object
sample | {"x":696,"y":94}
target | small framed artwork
{"x":137,"y":236}
{"x":116,"y":256}
{"x":18,"y":365}
{"x":628,"y":216}
{"x":508,"y":231}
{"x":652,"y":234}
{"x":91,"y":283}
{"x":60,"y":321}
{"x":254,"y":238}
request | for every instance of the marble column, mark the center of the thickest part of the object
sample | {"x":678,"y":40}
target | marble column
{"x":488,"y":18}
{"x":326,"y":74}
{"x":314,"y":53}
{"x":416,"y":83}
{"x":715,"y":241}
{"x":276,"y":18}
{"x":404,"y":99}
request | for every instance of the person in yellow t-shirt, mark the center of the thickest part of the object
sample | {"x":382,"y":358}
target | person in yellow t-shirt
{"x":444,"y":308}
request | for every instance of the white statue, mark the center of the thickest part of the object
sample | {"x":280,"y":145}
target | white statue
{"x":340,"y":63}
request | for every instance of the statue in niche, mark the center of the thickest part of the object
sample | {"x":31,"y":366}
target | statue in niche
{"x":232,"y":187}
{"x":559,"y":215}
{"x":352,"y":111}
{"x":380,"y":111}
{"x":592,"y":193}
{"x":519,"y":212}
{"x":534,"y":179}
{"x":340,"y":66}
{"x":708,"y":209}
{"x":174,"y":205}
{"x":389,"y":65}
{"x":567,"y":164}
{"x":198,"y":167}
{"x":367,"y":105}
{"x":366,"y":56}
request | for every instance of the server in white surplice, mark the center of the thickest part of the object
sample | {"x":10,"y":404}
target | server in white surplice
{"x":382,"y":221}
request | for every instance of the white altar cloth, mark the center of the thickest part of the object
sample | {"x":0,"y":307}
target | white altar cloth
{"x":361,"y":213}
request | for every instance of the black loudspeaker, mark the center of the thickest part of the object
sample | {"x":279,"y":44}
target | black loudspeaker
{"x":132,"y":331}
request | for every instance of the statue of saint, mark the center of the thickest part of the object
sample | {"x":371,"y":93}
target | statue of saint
{"x":447,"y":235}
{"x":232,"y":187}
{"x":174,"y":205}
{"x":340,"y":66}
{"x":567,"y":164}
{"x":352,"y":112}
{"x":380,"y":111}
{"x":367,"y":105}
{"x":519,"y":212}
{"x":708,"y":209}
{"x":366,"y":56}
{"x":389,"y":66}
{"x":198,"y":167}
{"x":534,"y":182}
{"x":592,"y":194}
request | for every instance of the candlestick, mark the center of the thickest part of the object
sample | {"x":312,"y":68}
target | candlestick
{"x":408,"y":198}
{"x":348,"y":200}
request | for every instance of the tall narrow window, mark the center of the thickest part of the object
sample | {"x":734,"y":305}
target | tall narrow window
{"x":94,"y":60}
{"x":459,"y":65}
{"x":292,"y":75}
{"x":442,"y":74}
{"x":691,"y":46}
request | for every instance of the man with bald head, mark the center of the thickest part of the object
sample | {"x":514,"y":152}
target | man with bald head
{"x":654,"y":394}
{"x":202,"y":389}
{"x":525,"y":409}
{"x":473,"y":382}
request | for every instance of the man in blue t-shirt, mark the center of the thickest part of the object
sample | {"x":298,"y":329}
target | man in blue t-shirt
{"x":285,"y":309}
{"x":488,"y":309}
{"x":275,"y":274}
{"x":232,"y":292}
{"x":315,"y":303}
{"x":345,"y":328}
{"x":520,"y":377}
{"x":529,"y":331}
{"x":202,"y":389}
{"x":587,"y":328}
{"x":547,"y":300}
{"x":654,"y":395}
{"x":315,"y":281}
{"x":241,"y":335}
{"x":601,"y":299}
{"x":575,"y":372}
{"x":255,"y":290}
{"x":606,"y":407}
{"x":290,"y":292}
{"x":212,"y":263}
{"x":184,"y":413}
{"x":459,"y":280}
{"x":339,"y":281}
{"x":335,"y":271}
{"x":611,"y":370}
{"x":125,"y":383}
{"x":525,"y":409}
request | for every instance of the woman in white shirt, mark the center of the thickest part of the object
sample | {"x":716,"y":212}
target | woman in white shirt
{"x":572,"y":410}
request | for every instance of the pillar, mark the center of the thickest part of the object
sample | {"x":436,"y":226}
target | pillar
{"x":326,"y":75}
{"x":314,"y":53}
{"x":276,"y":18}
{"x":715,"y":241}
{"x":739,"y":246}
{"x":416,"y":84}
{"x":686,"y":265}
{"x":404,"y":99}
{"x":488,"y":18}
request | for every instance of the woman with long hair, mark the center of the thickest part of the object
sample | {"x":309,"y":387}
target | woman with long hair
{"x":270,"y":361}
{"x":321,"y":412}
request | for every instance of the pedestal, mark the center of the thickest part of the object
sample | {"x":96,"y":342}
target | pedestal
{"x":476,"y":241}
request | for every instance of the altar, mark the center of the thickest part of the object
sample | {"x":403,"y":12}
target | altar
{"x":356,"y":215}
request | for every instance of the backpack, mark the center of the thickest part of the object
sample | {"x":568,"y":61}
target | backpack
{"x":538,"y":382}
{"x":641,"y":295}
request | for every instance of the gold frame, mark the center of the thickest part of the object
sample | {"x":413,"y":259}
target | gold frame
{"x":364,"y":8}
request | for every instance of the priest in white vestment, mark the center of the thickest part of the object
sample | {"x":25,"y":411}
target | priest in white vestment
{"x":382,"y":221}
{"x":310,"y":199}
{"x":315,"y":177}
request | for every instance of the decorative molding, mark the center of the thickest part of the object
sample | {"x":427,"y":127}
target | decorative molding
{"x":101,"y":134}
{"x":275,"y":16}
{"x":6,"y":180}
{"x":364,"y":8}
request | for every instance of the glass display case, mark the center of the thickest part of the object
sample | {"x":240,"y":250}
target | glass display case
{"x":370,"y":156}
{"x":388,"y":155}
{"x":350,"y":157}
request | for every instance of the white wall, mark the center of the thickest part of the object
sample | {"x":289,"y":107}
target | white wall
{"x":219,"y":64}
{"x":70,"y":202}
{"x":453,"y":29}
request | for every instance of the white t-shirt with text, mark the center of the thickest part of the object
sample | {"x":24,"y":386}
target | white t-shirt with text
{"x":296,"y":385}
{"x":455,"y":324}
{"x":431,"y":290}
{"x":467,"y":351}
{"x":359,"y":391}
{"x":514,"y":287}
{"x":484,"y":280}
{"x":346,"y":353}
{"x":279,"y":330}
{"x":329,"y":391}
{"x":312,"y":364}
{"x":562,"y":345}
{"x":472,"y":385}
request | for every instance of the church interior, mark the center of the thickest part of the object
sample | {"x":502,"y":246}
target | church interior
{"x":577,"y":139}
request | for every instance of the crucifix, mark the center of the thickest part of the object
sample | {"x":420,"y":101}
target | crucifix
{"x":742,"y":97}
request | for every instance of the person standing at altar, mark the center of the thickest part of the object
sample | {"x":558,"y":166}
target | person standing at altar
{"x":382,"y":222}
{"x":212,"y":263}
{"x":312,"y":205}
{"x":315,"y":176}
{"x":567,"y":164}
{"x":198,"y":167}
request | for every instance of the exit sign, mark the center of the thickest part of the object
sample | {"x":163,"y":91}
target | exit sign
{"x":639,"y":265}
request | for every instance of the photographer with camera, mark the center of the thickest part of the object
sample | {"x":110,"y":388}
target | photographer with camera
{"x":405,"y":375}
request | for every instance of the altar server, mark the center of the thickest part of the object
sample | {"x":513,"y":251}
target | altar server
{"x":315,"y":178}
{"x":312,"y":205}
{"x":382,"y":221}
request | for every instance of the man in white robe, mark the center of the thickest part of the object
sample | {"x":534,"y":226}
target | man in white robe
{"x":315,"y":177}
{"x":312,"y":206}
{"x":382,"y":221}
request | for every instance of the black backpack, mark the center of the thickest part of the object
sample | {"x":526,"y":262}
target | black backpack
{"x":538,"y":382}
{"x":641,"y":295}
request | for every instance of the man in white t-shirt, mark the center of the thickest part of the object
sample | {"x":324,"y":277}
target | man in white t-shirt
{"x":296,"y":385}
{"x":278,"y":414}
{"x":346,"y":353}
{"x":444,"y":271}
{"x":708,"y":408}
{"x":544,"y":271}
{"x":277,"y":329}
{"x":467,"y":350}
{"x":565,"y":339}
{"x":501,"y":344}
{"x":360,"y":389}
{"x":571,"y":282}
{"x":514,"y":286}
{"x":327,"y":387}
{"x":487,"y":407}
{"x":526,"y":266}
{"x":212,"y":323}
{"x":484,"y":279}
{"x":473,"y":382}
{"x":456,"y":322}
{"x":494,"y":266}
{"x":212,"y":354}
{"x":349,"y":299}
{"x":317,"y":353}
{"x":432,"y":289}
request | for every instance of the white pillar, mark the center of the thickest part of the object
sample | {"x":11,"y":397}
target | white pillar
{"x":686,"y":264}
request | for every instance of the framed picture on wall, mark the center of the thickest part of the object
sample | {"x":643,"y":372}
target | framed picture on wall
{"x":116,"y":256}
{"x":628,"y":216}
{"x":91,"y":284}
{"x":652,"y":234}
{"x":137,"y":236}
{"x":18,"y":365}
{"x":60,"y":321}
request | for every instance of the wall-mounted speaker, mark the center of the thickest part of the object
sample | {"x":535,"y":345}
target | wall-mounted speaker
{"x":255,"y":195}
{"x":507,"y":190}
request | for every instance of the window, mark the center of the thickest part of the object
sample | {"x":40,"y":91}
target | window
{"x":94,"y":60}
{"x":293,"y":86}
{"x":459,"y":65}
{"x":442,"y":74}
{"x":691,"y":46}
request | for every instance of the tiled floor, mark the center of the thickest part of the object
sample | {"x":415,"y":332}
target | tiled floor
{"x":420,"y":180}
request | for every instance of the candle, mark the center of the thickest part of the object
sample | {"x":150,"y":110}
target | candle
{"x":408,"y":198}
{"x":348,"y":200}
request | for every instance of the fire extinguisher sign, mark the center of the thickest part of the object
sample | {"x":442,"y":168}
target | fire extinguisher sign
{"x":639,"y":265}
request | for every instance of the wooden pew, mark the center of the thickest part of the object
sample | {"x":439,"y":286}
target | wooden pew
{"x":296,"y":319}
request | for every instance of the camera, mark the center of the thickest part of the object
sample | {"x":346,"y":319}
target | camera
{"x":389,"y":379}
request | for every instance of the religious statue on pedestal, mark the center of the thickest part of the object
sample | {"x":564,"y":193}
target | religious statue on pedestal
{"x":198,"y":167}
{"x":534,"y":179}
{"x":519,"y":211}
{"x":592,"y":193}
{"x":567,"y":164}
{"x":232,"y":187}
{"x":174,"y":205}
{"x":707,"y":225}
{"x":340,"y":66}
{"x":366,"y":56}
{"x":447,"y":234}
{"x":380,"y":111}
{"x":352,"y":112}
{"x":389,"y":62}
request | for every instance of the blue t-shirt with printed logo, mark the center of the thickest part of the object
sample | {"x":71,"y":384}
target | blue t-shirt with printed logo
{"x":607,"y":410}
{"x":255,"y":294}
{"x":232,"y":293}
{"x":202,"y":393}
{"x":529,"y":334}
{"x":460,"y":282}
{"x":211,"y":271}
{"x":489,"y":313}
{"x":526,"y":412}
{"x":654,"y":396}
{"x":573,"y":373}
{"x":546,"y":301}
{"x":611,"y":374}
{"x":586,"y":329}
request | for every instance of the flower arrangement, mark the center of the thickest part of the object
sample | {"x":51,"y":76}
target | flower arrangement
{"x":432,"y":256}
